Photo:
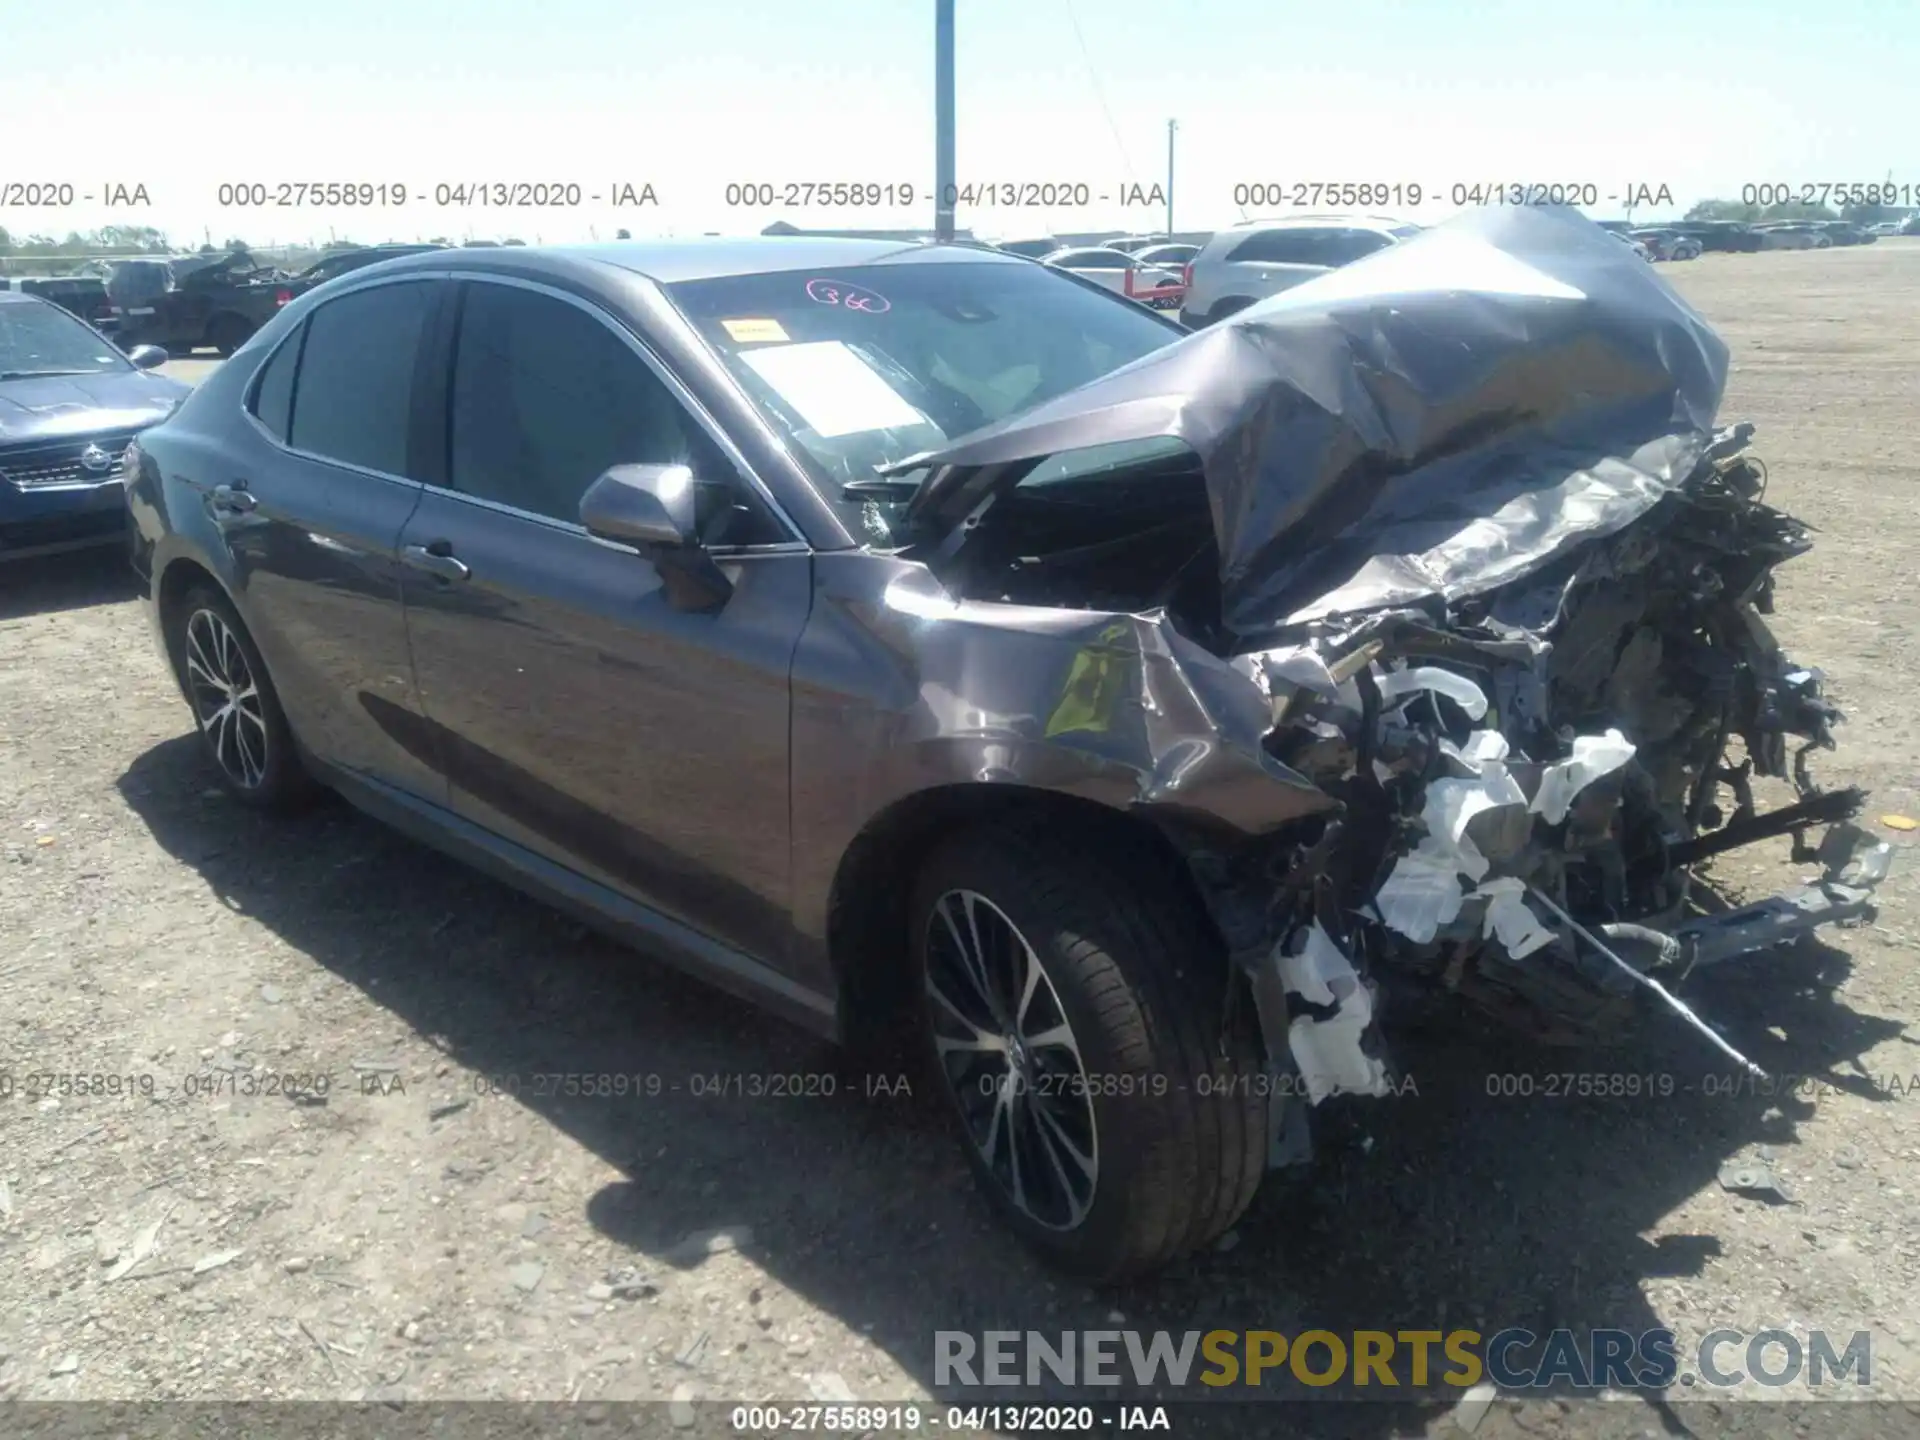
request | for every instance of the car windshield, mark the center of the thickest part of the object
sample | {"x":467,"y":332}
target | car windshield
{"x":42,"y":339}
{"x":866,"y":366}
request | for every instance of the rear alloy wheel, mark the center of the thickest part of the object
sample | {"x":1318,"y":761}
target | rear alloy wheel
{"x":241,"y":725}
{"x":1073,"y":1006}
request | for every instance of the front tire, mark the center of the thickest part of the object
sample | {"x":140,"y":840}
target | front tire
{"x":236,"y":710}
{"x":1073,"y":1005}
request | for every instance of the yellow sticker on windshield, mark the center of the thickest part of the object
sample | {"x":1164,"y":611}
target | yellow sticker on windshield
{"x":748,"y":332}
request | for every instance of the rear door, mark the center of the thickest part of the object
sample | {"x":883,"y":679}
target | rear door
{"x":580,"y":714}
{"x":309,"y":507}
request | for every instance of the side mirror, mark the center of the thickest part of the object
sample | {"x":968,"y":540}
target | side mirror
{"x":650,"y":505}
{"x":147,"y":357}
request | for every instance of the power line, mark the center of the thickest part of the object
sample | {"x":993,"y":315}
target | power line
{"x":1098,"y":93}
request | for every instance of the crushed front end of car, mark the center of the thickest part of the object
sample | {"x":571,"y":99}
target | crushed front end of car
{"x":1530,"y":777}
{"x":1498,"y":581}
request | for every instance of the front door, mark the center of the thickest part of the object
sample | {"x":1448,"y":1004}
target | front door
{"x":579,"y":712}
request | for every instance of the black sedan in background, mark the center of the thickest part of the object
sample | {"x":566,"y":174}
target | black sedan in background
{"x":70,"y":402}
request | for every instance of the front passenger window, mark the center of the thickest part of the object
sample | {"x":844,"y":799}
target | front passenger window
{"x":546,"y":397}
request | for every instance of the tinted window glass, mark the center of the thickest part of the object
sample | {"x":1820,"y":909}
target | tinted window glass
{"x":356,"y":377}
{"x":273,"y":397}
{"x":1346,"y":246}
{"x":546,"y":397}
{"x":1280,"y":247}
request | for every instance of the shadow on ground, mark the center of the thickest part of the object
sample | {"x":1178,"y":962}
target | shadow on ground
{"x":1461,"y":1205}
{"x":49,"y":584}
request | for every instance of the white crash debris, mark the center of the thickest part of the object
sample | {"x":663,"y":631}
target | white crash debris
{"x":1509,"y":920}
{"x":1593,"y":756}
{"x":1424,"y":892}
{"x":1328,"y":1052}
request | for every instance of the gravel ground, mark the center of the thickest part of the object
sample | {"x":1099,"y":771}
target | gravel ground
{"x":437,"y":1226}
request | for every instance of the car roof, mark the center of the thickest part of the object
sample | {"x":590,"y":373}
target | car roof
{"x":25,"y":297}
{"x":668,"y":262}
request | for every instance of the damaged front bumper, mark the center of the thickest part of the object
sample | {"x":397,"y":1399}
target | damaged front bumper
{"x":1497,"y":839}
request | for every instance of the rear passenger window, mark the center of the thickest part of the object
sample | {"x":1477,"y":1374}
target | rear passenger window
{"x":1346,"y":246}
{"x":354,"y":397}
{"x":1280,"y":247}
{"x":273,"y":392}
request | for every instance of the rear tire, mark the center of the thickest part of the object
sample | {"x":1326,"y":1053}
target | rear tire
{"x":236,"y":710}
{"x":228,"y":333}
{"x":1073,"y":1005}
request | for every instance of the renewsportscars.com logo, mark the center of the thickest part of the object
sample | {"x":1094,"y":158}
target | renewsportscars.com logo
{"x":1376,"y":1361}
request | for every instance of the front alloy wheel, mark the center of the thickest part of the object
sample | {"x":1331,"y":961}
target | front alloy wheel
{"x":1073,"y":1008}
{"x":226,"y":699}
{"x":1008,"y":1052}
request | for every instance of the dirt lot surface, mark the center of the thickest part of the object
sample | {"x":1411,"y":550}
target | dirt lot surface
{"x":444,"y":1224}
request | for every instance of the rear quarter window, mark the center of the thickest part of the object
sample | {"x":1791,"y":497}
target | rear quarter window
{"x":273,"y":392}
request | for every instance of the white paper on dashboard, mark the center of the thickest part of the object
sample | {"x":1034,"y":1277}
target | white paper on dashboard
{"x":835,"y":391}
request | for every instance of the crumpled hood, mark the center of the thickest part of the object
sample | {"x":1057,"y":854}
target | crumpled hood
{"x":1436,"y":420}
{"x":49,"y":406}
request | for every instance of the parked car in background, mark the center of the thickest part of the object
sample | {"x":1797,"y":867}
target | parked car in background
{"x":1845,"y":232}
{"x":1639,"y":248}
{"x":1884,"y":227}
{"x":84,"y":296}
{"x":1121,"y":273}
{"x":1724,"y":236}
{"x":345,"y":262}
{"x":1169,"y":254}
{"x":212,"y":301}
{"x":70,"y":401}
{"x":1260,"y":258}
{"x":1911,"y":225}
{"x":1788,"y":235}
{"x":1664,"y":244}
{"x":1031,"y":249}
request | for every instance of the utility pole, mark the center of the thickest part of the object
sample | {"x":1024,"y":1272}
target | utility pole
{"x":1172,"y":125}
{"x":943,"y":181}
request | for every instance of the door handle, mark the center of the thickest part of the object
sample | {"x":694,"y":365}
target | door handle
{"x":436,"y":559}
{"x":234,"y":498}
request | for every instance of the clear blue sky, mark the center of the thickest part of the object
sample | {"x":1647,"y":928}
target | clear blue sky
{"x":1702,"y":96}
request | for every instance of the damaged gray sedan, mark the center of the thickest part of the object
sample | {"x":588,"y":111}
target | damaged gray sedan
{"x":917,"y":640}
